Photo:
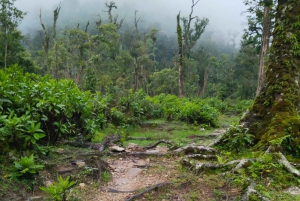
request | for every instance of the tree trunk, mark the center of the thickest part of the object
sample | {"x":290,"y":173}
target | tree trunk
{"x":56,"y":61}
{"x":136,"y":75}
{"x":5,"y":54}
{"x":204,"y":83}
{"x":264,"y":49}
{"x":179,"y":37}
{"x":273,"y":115}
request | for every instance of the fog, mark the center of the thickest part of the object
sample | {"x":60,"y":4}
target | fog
{"x":224,"y":15}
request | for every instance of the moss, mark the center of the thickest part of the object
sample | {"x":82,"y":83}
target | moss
{"x":274,"y":112}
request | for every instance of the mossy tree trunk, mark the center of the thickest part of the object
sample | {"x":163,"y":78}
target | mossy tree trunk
{"x":180,"y":55}
{"x":273,"y":115}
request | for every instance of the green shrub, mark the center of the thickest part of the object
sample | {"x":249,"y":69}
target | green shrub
{"x":25,"y":168}
{"x":45,"y":110}
{"x":59,"y":190}
{"x":198,"y":112}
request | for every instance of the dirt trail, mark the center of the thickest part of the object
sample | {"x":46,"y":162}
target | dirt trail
{"x":128,"y":176}
{"x":134,"y":173}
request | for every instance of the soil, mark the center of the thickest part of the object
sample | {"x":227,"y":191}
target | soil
{"x":127,"y":176}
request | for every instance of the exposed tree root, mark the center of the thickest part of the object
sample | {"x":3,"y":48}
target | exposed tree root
{"x":200,"y":165}
{"x":288,"y":165}
{"x":157,"y":143}
{"x":147,"y":190}
{"x":142,"y":166}
{"x":193,"y":148}
{"x":112,"y":190}
{"x":251,"y":190}
{"x":108,"y":141}
{"x":241,"y":164}
{"x":216,"y":141}
{"x":200,"y":156}
{"x":203,"y":137}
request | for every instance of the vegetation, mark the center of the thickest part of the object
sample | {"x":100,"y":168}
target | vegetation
{"x":83,"y":86}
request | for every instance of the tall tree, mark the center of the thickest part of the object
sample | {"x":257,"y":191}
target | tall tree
{"x":10,"y":37}
{"x":48,"y":38}
{"x":180,"y":55}
{"x":273,"y":115}
{"x":261,"y":22}
{"x":188,"y":36}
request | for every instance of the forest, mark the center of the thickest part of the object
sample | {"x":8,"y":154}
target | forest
{"x":84,"y":103}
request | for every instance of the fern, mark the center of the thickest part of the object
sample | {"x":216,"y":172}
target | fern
{"x":278,"y":141}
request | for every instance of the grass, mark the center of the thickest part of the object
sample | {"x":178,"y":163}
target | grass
{"x":228,"y":120}
{"x":175,"y":131}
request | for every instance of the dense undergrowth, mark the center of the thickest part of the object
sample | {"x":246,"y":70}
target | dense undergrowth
{"x":37,"y":111}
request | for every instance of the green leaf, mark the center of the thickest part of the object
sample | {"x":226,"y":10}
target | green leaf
{"x":38,"y":136}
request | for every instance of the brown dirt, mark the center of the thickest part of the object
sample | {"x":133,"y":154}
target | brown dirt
{"x":128,"y":176}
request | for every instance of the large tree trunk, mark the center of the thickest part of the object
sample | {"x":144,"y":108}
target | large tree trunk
{"x":274,"y":112}
{"x":264,"y":49}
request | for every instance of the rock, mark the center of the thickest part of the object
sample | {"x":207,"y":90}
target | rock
{"x":148,"y":160}
{"x":116,"y":149}
{"x":48,"y":183}
{"x":80,"y":163}
{"x":36,"y":198}
{"x":293,"y":190}
{"x":82,"y":185}
{"x":141,"y":162}
{"x":133,"y":172}
{"x":202,"y":129}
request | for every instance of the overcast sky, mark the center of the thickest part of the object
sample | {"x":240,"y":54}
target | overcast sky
{"x":224,"y":15}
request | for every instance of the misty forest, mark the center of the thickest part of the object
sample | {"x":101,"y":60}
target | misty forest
{"x":104,"y":100}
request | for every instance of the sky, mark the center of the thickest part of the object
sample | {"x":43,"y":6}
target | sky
{"x":224,"y":15}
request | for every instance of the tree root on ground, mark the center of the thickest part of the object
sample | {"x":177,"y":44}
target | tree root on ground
{"x":112,"y":190}
{"x":218,"y":140}
{"x":203,"y":137}
{"x":193,"y":148}
{"x":288,"y":165}
{"x":200,"y":156}
{"x":250,"y":190}
{"x":200,"y":165}
{"x":142,"y":166}
{"x":147,"y":190}
{"x":157,"y":143}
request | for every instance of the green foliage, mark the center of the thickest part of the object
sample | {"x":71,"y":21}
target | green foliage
{"x":40,"y":109}
{"x":59,"y":190}
{"x":188,"y":110}
{"x":237,"y":138}
{"x":11,"y":48}
{"x":25,"y":168}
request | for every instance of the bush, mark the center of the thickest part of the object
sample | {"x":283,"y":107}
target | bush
{"x":45,"y":110}
{"x":25,"y":168}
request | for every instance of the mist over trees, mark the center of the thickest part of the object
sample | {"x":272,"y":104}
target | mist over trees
{"x":114,"y":47}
